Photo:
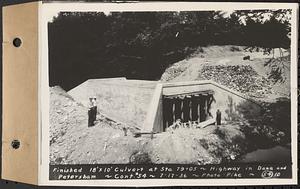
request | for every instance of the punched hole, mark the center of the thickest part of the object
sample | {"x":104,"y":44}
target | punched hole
{"x":17,"y":42}
{"x":15,"y":144}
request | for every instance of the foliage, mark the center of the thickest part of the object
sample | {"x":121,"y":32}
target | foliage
{"x":271,"y":125}
{"x":279,"y":67}
{"x":142,"y":45}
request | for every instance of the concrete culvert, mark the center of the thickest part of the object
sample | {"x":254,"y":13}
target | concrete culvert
{"x":187,"y":109}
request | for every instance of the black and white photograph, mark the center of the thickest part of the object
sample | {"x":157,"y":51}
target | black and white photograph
{"x":207,"y":92}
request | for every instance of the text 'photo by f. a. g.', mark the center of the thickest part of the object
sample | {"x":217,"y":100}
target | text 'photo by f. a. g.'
{"x":170,"y":94}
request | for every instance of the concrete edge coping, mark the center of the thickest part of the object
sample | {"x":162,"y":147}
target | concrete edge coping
{"x":202,"y":82}
{"x":146,"y":84}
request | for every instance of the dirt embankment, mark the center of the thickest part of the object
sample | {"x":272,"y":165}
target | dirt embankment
{"x":227,"y":65}
{"x":211,"y":145}
{"x":73,"y":142}
{"x":64,"y":112}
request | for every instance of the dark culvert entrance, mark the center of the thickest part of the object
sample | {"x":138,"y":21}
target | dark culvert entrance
{"x":189,"y":107}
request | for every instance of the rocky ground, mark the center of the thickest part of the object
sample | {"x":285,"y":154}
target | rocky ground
{"x":64,"y":114}
{"x":241,"y":78}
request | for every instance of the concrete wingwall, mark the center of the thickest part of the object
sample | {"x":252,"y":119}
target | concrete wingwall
{"x":233,"y":105}
{"x":82,"y":92}
{"x":126,"y":101}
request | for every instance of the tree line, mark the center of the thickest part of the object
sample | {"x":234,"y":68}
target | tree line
{"x":141,"y":45}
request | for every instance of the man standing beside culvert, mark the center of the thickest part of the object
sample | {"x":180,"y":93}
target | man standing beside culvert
{"x":92,"y":112}
{"x":218,"y":117}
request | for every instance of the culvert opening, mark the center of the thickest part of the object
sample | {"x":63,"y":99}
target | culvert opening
{"x":188,"y":107}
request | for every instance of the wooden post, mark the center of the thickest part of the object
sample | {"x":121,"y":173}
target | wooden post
{"x":185,"y":109}
{"x":191,"y":108}
{"x":165,"y":112}
{"x":181,"y":108}
{"x":206,"y":107}
{"x":173,"y":109}
{"x":189,"y":113}
{"x":198,"y":108}
{"x":202,"y":108}
{"x":168,"y":112}
{"x":177,"y":108}
{"x":194,"y":108}
{"x":209,"y":102}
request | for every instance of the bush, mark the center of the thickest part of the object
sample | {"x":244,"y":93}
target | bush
{"x":140,"y":158}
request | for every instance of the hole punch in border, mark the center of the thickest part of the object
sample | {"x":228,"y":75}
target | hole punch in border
{"x":15,"y":144}
{"x":17,"y":42}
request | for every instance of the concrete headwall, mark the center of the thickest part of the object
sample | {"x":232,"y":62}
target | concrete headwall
{"x":233,"y":105}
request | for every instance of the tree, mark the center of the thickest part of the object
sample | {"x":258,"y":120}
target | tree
{"x":270,"y":30}
{"x":141,"y":45}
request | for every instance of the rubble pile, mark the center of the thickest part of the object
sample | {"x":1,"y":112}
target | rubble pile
{"x":241,"y":78}
{"x":190,"y":124}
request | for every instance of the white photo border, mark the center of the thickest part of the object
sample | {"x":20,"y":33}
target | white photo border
{"x":48,"y":10}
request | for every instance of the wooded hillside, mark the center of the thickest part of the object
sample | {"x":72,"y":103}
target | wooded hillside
{"x":141,"y":45}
